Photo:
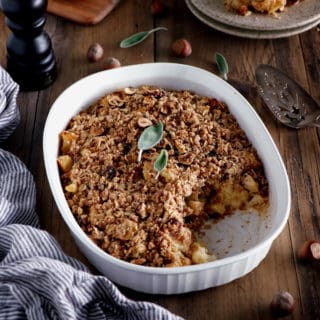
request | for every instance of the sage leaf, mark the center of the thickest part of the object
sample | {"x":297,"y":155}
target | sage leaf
{"x":150,"y":137}
{"x":222,"y":65}
{"x":161,"y":162}
{"x":138,"y":37}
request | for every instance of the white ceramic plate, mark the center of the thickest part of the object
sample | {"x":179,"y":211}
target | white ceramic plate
{"x":246,"y":33}
{"x":306,"y":12}
{"x":249,"y":245}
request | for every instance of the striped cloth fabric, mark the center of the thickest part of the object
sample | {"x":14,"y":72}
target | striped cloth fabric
{"x":10,"y":115}
{"x":37,"y":280}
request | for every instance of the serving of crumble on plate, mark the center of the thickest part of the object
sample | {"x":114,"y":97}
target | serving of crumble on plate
{"x":245,"y":7}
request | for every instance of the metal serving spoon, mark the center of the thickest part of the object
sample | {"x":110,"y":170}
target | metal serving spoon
{"x":286,"y":99}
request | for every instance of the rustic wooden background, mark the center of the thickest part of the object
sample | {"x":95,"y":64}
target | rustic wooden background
{"x":299,"y":56}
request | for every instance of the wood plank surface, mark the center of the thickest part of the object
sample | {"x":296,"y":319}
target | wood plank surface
{"x":246,"y":298}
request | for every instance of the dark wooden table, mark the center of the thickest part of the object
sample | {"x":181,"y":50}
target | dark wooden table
{"x":299,"y":56}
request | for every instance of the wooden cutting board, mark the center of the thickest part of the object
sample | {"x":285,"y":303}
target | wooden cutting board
{"x":82,"y":11}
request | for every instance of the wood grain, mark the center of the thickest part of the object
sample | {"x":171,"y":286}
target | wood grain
{"x":82,"y":11}
{"x":247,"y":298}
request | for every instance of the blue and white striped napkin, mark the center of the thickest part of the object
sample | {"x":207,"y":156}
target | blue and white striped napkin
{"x":37,"y":280}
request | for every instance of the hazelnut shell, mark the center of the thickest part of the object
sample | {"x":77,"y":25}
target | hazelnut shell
{"x":181,"y":48}
{"x":310,"y":251}
{"x":158,"y":9}
{"x":95,"y":52}
{"x":112,"y":63}
{"x":282,"y":304}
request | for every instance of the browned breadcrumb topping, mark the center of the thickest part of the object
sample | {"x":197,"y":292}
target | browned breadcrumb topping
{"x":212,"y":171}
{"x":246,"y":7}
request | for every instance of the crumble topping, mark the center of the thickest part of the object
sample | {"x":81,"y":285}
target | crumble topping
{"x":212,"y":171}
{"x":245,"y":7}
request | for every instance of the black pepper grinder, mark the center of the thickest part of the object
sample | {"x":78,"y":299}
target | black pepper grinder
{"x":30,"y":58}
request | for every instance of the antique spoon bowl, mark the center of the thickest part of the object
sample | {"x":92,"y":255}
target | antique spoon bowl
{"x":286,"y":99}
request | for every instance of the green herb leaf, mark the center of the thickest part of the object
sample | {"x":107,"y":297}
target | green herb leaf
{"x":161,"y":162}
{"x":222,"y":65}
{"x":138,"y":37}
{"x":149,"y":138}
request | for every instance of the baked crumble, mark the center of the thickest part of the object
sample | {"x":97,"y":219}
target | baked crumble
{"x":246,"y":7}
{"x":212,"y":170}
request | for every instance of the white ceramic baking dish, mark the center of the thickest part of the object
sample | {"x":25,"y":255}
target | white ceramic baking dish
{"x":240,"y":241}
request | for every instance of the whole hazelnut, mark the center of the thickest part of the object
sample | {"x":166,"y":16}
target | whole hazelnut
{"x":310,"y":250}
{"x":95,"y":52}
{"x":181,"y":48}
{"x":112,"y":63}
{"x":158,"y":8}
{"x":282,"y":304}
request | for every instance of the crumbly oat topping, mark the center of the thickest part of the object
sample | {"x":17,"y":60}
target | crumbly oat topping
{"x":212,"y":170}
{"x":246,"y":7}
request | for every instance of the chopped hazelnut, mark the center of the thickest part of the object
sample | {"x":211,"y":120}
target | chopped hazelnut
{"x":243,"y":10}
{"x":144,"y":122}
{"x":130,"y":91}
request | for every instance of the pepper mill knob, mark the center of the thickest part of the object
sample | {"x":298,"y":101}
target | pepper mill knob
{"x":30,"y":58}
